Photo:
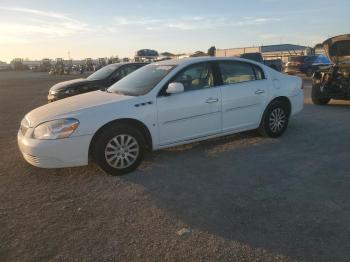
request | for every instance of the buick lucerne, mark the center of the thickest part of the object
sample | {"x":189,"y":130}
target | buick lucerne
{"x":160,"y":105}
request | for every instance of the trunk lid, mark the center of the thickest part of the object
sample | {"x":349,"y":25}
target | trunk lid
{"x":338,"y":50}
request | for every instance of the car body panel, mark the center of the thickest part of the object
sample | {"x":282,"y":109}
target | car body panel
{"x":72,"y":105}
{"x":189,"y":115}
{"x":242,"y":104}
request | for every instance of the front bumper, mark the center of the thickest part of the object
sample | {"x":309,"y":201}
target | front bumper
{"x":67,"y":152}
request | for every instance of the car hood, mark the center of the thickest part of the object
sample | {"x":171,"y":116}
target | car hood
{"x":338,"y":49}
{"x":70,"y":83}
{"x":72,"y":105}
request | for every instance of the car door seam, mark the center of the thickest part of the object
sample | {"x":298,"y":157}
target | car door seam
{"x":240,"y":107}
{"x":190,"y":117}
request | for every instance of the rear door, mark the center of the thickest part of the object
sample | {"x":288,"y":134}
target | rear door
{"x":194,"y":113}
{"x":244,"y":93}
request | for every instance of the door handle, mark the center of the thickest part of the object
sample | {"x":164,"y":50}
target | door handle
{"x":259,"y":91}
{"x":212,"y":100}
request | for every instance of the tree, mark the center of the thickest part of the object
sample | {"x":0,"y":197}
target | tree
{"x":211,"y":51}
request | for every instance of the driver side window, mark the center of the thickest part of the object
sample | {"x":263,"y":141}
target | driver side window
{"x":196,"y":77}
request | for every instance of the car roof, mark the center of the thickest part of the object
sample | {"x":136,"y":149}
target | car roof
{"x":192,"y":60}
{"x":128,"y":63}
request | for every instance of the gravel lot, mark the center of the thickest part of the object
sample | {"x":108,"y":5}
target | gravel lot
{"x":244,"y":198}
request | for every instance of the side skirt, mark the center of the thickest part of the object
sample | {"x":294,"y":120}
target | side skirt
{"x":184,"y":142}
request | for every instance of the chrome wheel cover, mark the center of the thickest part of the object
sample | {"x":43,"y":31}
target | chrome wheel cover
{"x":277,"y":119}
{"x":122,"y":151}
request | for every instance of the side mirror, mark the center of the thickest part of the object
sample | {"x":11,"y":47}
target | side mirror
{"x":175,"y":88}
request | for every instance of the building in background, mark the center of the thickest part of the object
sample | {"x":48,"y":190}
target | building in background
{"x":283,"y":51}
{"x":4,"y":66}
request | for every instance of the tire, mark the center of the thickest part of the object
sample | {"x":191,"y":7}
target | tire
{"x":317,"y":97}
{"x":119,"y":149}
{"x":275,"y":120}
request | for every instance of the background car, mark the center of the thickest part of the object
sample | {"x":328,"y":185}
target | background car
{"x":293,"y":65}
{"x":314,"y":63}
{"x":333,"y":82}
{"x":100,"y":79}
{"x":306,"y":64}
{"x":161,"y":105}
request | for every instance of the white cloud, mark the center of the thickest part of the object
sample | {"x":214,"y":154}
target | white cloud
{"x":191,"y":23}
{"x":23,"y":25}
{"x":37,"y":12}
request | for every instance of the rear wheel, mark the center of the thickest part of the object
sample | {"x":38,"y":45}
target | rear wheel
{"x":275,"y":120}
{"x":119,"y":149}
{"x":317,"y":97}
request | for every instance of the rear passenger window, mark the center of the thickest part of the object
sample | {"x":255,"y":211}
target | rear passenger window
{"x":236,"y":72}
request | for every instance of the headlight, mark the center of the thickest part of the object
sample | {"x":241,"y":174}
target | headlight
{"x":53,"y":92}
{"x":56,"y":129}
{"x":24,"y":126}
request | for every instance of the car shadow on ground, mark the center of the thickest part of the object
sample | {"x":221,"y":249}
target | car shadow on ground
{"x":265,"y":193}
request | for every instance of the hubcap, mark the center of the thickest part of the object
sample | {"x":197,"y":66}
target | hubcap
{"x":122,"y":151}
{"x":277,"y":120}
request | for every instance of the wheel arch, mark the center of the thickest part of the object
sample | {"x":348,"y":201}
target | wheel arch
{"x":126,"y":121}
{"x":284,"y":99}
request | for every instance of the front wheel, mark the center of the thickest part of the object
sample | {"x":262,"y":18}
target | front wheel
{"x":317,"y":97}
{"x":275,"y":120}
{"x":119,"y":149}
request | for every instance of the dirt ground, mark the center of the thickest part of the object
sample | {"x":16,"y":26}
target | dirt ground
{"x":244,"y":198}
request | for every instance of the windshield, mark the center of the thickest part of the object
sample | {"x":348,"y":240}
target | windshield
{"x":103,"y":73}
{"x":310,"y":59}
{"x":141,"y":81}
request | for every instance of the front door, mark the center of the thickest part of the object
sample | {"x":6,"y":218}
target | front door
{"x":194,"y":113}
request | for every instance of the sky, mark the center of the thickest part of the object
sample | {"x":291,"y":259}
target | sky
{"x":79,"y":29}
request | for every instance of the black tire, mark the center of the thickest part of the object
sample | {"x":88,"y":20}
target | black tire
{"x":267,"y":127}
{"x":121,"y":153}
{"x":317,"y":97}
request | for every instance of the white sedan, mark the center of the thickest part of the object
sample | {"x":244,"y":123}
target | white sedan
{"x":160,"y":105}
